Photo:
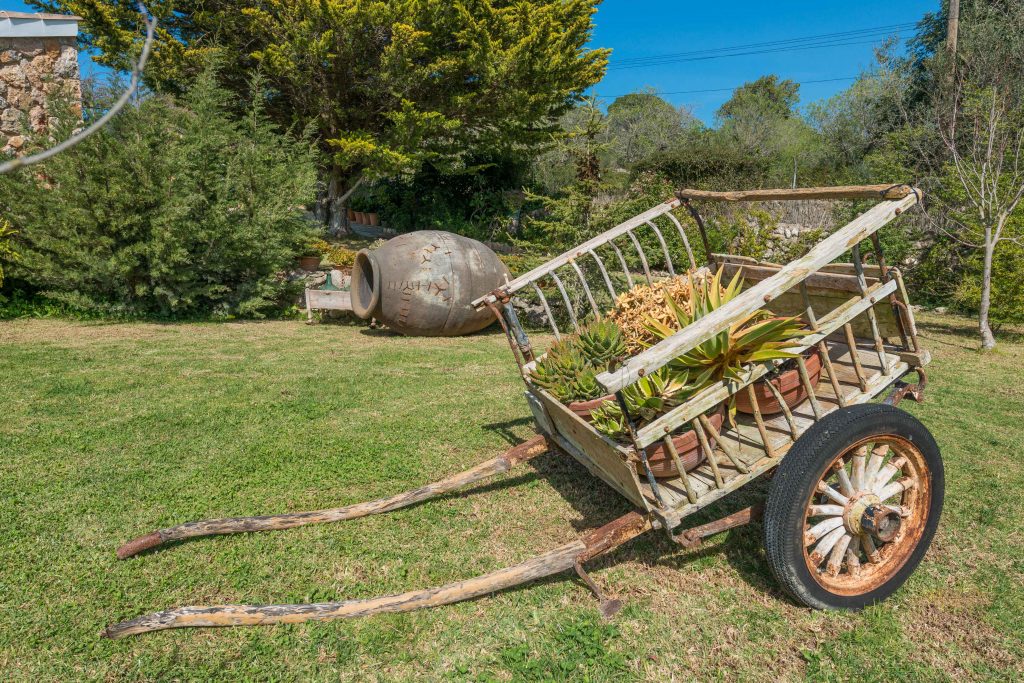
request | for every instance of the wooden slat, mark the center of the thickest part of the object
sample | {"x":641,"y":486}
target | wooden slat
{"x":747,"y":435}
{"x":882,"y":191}
{"x":559,"y":261}
{"x":327,"y":299}
{"x":754,"y":298}
{"x":607,"y":459}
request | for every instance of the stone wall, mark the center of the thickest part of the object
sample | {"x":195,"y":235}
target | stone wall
{"x":31,"y":71}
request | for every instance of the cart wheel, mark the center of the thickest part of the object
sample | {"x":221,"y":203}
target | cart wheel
{"x":853,"y":507}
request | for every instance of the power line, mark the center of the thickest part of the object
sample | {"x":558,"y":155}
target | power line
{"x":791,"y":44}
{"x":693,"y":92}
{"x":770,"y":43}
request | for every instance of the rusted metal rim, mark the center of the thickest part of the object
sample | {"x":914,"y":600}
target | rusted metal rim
{"x":866,"y":515}
{"x":365,"y":285}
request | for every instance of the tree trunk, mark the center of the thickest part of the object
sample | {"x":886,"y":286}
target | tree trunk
{"x":336,"y":214}
{"x":988,"y":340}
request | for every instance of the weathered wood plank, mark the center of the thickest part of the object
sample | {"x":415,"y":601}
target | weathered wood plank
{"x":562,"y":558}
{"x":237,"y":525}
{"x":331,"y":300}
{"x":755,"y":297}
{"x":881,"y":191}
{"x":609,"y":458}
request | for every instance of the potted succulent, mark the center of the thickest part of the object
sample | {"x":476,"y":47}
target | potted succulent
{"x":757,"y":337}
{"x":646,"y":399}
{"x":570,"y":367}
{"x":788,"y":383}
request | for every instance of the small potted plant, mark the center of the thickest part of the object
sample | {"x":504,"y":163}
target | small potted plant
{"x":646,"y":399}
{"x":311,"y":255}
{"x":570,"y":367}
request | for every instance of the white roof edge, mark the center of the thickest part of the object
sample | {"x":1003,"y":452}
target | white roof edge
{"x":29,"y":25}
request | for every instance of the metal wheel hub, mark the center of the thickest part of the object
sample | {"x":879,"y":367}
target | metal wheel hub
{"x":881,"y":522}
{"x":854,"y":511}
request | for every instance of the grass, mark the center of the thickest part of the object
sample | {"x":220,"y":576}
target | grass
{"x":113,"y":430}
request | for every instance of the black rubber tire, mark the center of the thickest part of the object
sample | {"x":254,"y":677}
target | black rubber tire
{"x":799,"y":473}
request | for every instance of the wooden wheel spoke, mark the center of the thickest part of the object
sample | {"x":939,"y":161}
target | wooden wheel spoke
{"x":845,"y":485}
{"x":874,"y":557}
{"x":825,"y":510}
{"x":825,"y":545}
{"x":831,"y":493}
{"x":878,"y":455}
{"x":822,"y":529}
{"x":885,"y":475}
{"x":896,"y":488}
{"x":859,"y":463}
{"x":852,"y":560}
{"x":835,"y":560}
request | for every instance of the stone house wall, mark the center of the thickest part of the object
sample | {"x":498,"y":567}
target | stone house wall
{"x":33,"y":69}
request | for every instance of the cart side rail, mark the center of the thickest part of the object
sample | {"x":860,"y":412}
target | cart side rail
{"x":757,"y":296}
{"x":581,"y":251}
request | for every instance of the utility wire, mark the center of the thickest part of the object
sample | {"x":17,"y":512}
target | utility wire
{"x":810,"y":42}
{"x":694,"y":92}
{"x":822,"y":36}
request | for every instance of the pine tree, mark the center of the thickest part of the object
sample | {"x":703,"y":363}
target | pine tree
{"x":390,"y":86}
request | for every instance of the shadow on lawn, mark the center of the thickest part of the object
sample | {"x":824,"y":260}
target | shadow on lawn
{"x":597,"y":504}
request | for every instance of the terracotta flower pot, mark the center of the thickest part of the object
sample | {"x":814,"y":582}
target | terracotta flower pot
{"x":351,"y":215}
{"x":788,"y":384}
{"x":360,"y":218}
{"x":687,"y":446}
{"x":373,"y":219}
{"x":585,"y":408}
{"x":309,"y":262}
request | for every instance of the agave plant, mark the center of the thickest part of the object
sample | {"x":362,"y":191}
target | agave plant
{"x":601,"y":342}
{"x":570,"y":367}
{"x":647,"y":398}
{"x":757,"y":337}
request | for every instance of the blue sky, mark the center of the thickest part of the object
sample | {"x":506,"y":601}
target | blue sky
{"x":648,"y":28}
{"x":645,"y":28}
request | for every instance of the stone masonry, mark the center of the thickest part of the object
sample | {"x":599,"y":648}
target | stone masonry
{"x":33,"y":69}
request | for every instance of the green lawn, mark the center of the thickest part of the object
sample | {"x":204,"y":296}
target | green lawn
{"x":113,"y":430}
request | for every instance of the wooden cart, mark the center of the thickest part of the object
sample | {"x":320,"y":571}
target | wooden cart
{"x":857,"y":487}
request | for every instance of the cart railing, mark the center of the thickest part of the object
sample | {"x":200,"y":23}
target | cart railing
{"x":614,"y":272}
{"x":846,"y":239}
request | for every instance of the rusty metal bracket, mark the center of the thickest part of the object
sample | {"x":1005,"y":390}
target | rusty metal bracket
{"x":693,"y":537}
{"x":609,"y":607}
{"x":902,"y":390}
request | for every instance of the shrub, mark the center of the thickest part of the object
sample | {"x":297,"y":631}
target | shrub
{"x":7,"y":252}
{"x":173,"y":209}
{"x":339,"y":255}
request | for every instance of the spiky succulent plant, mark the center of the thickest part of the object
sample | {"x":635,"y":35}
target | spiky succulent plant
{"x":570,"y":367}
{"x":646,"y":399}
{"x":601,"y":342}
